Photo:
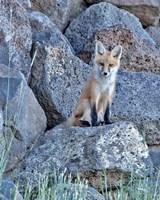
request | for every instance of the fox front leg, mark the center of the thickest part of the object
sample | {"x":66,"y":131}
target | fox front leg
{"x":94,"y":115}
{"x":107,"y":114}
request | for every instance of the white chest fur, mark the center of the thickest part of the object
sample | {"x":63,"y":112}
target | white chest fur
{"x":107,"y":83}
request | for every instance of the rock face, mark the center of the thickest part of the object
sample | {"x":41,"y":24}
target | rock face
{"x":98,"y":17}
{"x":59,"y":87}
{"x":24,"y":119}
{"x":40,"y":23}
{"x":65,"y":190}
{"x":60,"y":12}
{"x":58,"y":82}
{"x":154,"y":152}
{"x":92,"y":194}
{"x":1,"y":120}
{"x":154,"y":33}
{"x":88,"y":151}
{"x":138,"y":55}
{"x":25,"y":3}
{"x":114,"y":26}
{"x":15,"y":36}
{"x":57,"y":75}
{"x":135,"y":101}
{"x":147,"y":11}
{"x":34,"y":51}
{"x":8,"y":191}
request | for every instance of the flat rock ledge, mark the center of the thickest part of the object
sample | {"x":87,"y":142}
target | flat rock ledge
{"x":88,"y":151}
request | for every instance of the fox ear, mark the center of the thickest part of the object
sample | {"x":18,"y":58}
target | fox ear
{"x":117,"y":51}
{"x":100,"y":50}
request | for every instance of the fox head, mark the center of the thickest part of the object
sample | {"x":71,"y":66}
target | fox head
{"x":105,"y":61}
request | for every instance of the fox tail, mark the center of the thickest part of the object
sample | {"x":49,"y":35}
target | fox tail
{"x":72,"y":121}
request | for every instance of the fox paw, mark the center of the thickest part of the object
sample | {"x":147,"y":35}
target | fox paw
{"x":108,"y":122}
{"x":85,"y":123}
{"x":101,"y":123}
{"x":95,"y":124}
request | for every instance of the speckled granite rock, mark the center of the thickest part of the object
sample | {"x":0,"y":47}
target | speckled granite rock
{"x":154,"y":152}
{"x":61,"y":12}
{"x":1,"y":120}
{"x":137,"y":100}
{"x":58,"y":77}
{"x":93,"y":194}
{"x":40,"y":22}
{"x":138,"y":55}
{"x":148,"y":11}
{"x":15,"y":36}
{"x":154,"y":32}
{"x":24,"y":119}
{"x":98,"y":17}
{"x":8,"y":190}
{"x":57,"y":74}
{"x":88,"y":151}
{"x":25,"y":3}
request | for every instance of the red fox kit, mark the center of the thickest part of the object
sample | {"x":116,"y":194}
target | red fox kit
{"x":93,"y":107}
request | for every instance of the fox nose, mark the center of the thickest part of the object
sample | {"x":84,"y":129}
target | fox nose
{"x":105,"y":73}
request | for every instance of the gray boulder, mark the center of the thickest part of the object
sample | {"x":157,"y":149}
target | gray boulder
{"x":147,"y":11}
{"x":24,"y":119}
{"x":40,"y":22}
{"x":98,"y":17}
{"x":137,"y":100}
{"x":60,"y":12}
{"x":138,"y":55}
{"x":154,"y":32}
{"x":25,"y":3}
{"x":116,"y":148}
{"x":1,"y":120}
{"x":93,"y":194}
{"x":113,"y":26}
{"x":64,"y":189}
{"x":57,"y":75}
{"x":58,"y":78}
{"x":15,"y":36}
{"x":59,"y":87}
{"x":8,"y":191}
{"x":154,"y":152}
{"x":1,"y":132}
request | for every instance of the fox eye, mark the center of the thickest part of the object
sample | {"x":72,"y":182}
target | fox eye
{"x":102,"y":64}
{"x":110,"y":64}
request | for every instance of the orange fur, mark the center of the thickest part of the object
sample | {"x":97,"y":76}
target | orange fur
{"x":96,"y":98}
